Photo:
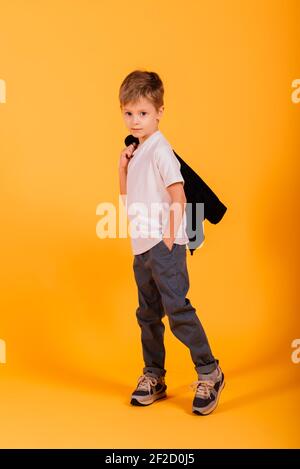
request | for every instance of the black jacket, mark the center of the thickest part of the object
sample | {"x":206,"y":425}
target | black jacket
{"x":196,"y":191}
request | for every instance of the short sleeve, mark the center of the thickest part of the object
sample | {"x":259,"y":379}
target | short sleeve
{"x":168,"y":165}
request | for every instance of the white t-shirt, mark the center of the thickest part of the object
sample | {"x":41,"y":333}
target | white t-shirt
{"x":152,"y":168}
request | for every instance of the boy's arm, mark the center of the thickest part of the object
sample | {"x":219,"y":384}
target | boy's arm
{"x":178,"y":201}
{"x":123,"y":184}
{"x":125,"y":157}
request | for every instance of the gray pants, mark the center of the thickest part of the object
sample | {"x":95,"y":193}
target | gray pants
{"x":162,"y":279}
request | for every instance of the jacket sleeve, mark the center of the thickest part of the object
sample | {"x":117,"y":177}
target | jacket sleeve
{"x":168,"y":165}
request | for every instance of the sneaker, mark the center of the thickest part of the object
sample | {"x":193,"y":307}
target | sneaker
{"x":208,"y":389}
{"x":150,"y":388}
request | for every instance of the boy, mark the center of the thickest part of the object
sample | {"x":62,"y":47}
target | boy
{"x":152,"y":188}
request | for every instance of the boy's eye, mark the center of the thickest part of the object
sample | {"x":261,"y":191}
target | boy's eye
{"x":142,"y":112}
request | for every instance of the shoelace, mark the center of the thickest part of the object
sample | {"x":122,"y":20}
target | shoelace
{"x":203,"y":387}
{"x":145,"y":382}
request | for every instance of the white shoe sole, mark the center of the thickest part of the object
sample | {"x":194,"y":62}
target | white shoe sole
{"x":139,"y":401}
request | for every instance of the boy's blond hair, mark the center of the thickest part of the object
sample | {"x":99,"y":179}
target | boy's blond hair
{"x":144,"y":84}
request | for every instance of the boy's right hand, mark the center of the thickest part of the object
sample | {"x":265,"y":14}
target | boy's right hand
{"x":126,"y":156}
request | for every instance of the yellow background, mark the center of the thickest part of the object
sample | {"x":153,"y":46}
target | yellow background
{"x":68,"y":298}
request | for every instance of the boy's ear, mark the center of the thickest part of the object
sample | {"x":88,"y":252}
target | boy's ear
{"x":160,"y":112}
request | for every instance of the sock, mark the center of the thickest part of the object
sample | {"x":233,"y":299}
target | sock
{"x":212,"y":375}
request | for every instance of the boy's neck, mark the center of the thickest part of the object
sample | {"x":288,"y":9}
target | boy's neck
{"x":143,"y":139}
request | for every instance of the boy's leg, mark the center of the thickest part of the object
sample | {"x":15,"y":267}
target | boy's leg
{"x":149,"y":316}
{"x":170,"y":273}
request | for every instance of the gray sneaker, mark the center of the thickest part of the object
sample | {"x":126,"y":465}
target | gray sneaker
{"x":208,"y":389}
{"x":150,"y":388}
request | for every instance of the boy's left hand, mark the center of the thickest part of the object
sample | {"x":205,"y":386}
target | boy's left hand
{"x":169,"y":243}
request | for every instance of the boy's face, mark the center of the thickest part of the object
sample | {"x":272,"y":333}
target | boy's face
{"x":141,"y":118}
